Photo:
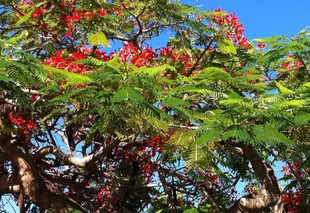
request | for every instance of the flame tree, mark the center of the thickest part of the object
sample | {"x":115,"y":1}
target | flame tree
{"x":95,"y":119}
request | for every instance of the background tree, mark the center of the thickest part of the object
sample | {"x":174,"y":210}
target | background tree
{"x":172,"y":129}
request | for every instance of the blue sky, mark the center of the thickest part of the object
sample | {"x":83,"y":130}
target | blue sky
{"x":263,"y":18}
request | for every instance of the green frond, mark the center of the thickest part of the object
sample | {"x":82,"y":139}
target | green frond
{"x":181,"y":140}
{"x":54,"y":113}
{"x":269,"y":135}
{"x":214,"y":74}
{"x":226,"y":46}
{"x":98,"y":39}
{"x":290,"y":104}
{"x":238,"y":79}
{"x":199,"y":157}
{"x":153,"y":71}
{"x":71,"y":78}
{"x":272,"y":39}
{"x":29,"y":74}
{"x":175,"y":102}
{"x":158,"y":124}
{"x":67,"y":95}
{"x":283,"y":90}
{"x":302,"y":118}
{"x":236,"y":133}
{"x":192,"y":89}
{"x":304,"y":88}
{"x":125,"y":94}
{"x":209,"y":136}
{"x":238,"y":103}
{"x":251,"y":69}
{"x":49,"y":89}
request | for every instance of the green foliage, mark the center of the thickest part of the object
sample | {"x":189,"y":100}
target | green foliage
{"x":71,"y":78}
{"x":226,"y":46}
{"x":213,"y":74}
{"x":98,"y":39}
{"x":223,"y":96}
{"x":283,"y":90}
{"x":25,"y":17}
{"x":126,"y":94}
{"x":236,"y":133}
{"x":153,"y":71}
{"x":158,"y":124}
{"x":209,"y":136}
{"x":267,"y":134}
{"x":175,"y":102}
{"x":193,"y":210}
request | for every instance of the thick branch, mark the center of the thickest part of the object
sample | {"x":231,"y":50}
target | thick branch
{"x":9,"y":184}
{"x":270,"y":193}
{"x":39,"y":191}
{"x":69,"y":159}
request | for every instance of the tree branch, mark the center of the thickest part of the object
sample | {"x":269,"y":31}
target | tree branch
{"x":268,"y":196}
{"x":9,"y":184}
{"x":69,"y":159}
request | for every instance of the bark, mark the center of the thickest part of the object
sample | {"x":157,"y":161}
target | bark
{"x":69,"y":159}
{"x":268,"y":196}
{"x":9,"y":184}
{"x":41,"y":192}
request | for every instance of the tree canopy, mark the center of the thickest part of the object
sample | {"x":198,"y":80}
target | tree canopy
{"x":95,"y":119}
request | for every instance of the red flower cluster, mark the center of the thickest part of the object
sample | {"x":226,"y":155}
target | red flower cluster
{"x":287,"y":170}
{"x":78,"y":15}
{"x":130,"y":53}
{"x":147,"y":172}
{"x":261,"y":45}
{"x":236,"y":30}
{"x":62,"y":60}
{"x":25,"y":126}
{"x":37,"y":13}
{"x":156,"y":144}
{"x":292,"y":65}
{"x":104,"y":201}
{"x":41,"y":10}
{"x":34,"y":97}
{"x":212,"y":177}
{"x":181,"y":60}
{"x":292,"y":200}
{"x":58,"y":60}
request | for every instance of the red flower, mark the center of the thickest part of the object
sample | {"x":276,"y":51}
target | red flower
{"x":156,"y":139}
{"x":218,"y":9}
{"x":169,"y":75}
{"x":37,"y":13}
{"x":68,"y":34}
{"x":199,"y":18}
{"x":90,"y":15}
{"x":77,"y":56}
{"x":261,"y":45}
{"x":286,"y":64}
{"x":34,"y":97}
{"x":32,"y":125}
{"x":102,"y":12}
{"x":119,"y":12}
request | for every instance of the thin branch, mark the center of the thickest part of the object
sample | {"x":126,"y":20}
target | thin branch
{"x":191,"y":70}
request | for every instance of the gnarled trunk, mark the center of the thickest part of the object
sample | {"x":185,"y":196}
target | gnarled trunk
{"x":270,"y":193}
{"x":27,"y":180}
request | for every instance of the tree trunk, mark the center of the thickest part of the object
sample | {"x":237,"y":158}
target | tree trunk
{"x":41,"y":192}
{"x":270,"y":193}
